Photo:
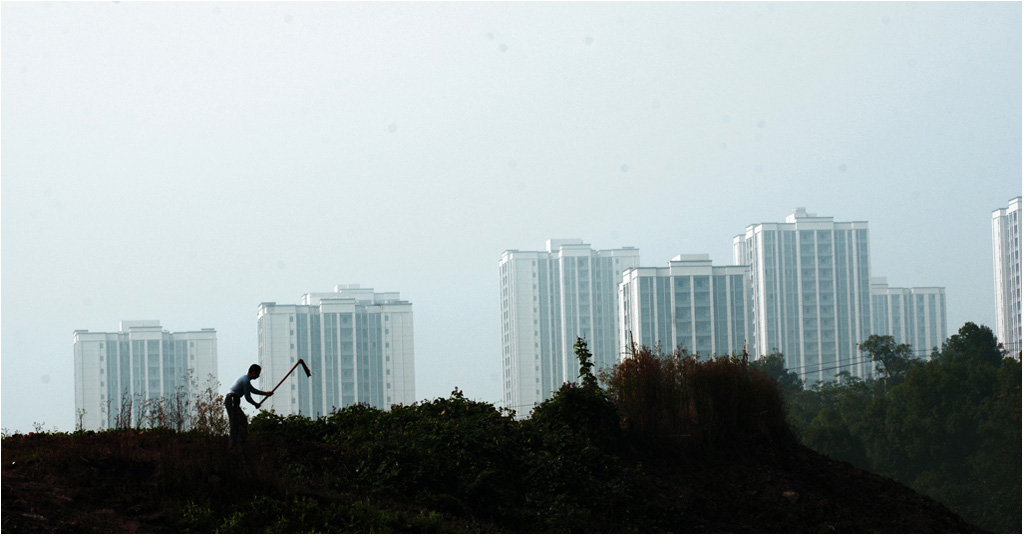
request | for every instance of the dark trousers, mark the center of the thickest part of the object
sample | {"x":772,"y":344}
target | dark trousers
{"x":237,"y":419}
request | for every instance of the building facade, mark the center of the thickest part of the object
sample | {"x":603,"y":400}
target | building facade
{"x":914,"y":316}
{"x":548,"y":299}
{"x":810,"y":286}
{"x":120,"y":376}
{"x":357,"y":343}
{"x":1006,"y":264}
{"x":690,"y":304}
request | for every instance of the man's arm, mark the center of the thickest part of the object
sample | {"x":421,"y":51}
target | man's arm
{"x":250,"y":390}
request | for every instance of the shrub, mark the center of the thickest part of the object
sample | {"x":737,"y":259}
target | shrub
{"x":450,"y":454}
{"x":583,"y":410}
{"x":673,"y":398}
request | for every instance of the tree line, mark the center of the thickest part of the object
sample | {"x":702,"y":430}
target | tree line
{"x":948,"y":427}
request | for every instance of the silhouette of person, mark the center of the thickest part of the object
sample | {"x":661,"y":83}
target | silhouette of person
{"x":232,"y":401}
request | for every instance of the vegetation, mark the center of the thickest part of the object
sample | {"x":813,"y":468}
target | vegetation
{"x":189,"y":407}
{"x":949,"y":427}
{"x":674,"y":444}
{"x":678,"y":398}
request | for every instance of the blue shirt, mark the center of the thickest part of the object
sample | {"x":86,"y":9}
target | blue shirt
{"x":243,"y":387}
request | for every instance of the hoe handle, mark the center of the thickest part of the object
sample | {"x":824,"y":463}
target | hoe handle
{"x":297,"y":363}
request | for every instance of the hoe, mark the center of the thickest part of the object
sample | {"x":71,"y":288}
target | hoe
{"x":304,"y":369}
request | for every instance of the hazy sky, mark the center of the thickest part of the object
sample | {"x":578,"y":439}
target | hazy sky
{"x":186,"y":161}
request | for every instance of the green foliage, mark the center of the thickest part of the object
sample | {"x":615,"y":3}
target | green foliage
{"x":446,"y":465}
{"x":586,"y":365}
{"x":293,"y":514}
{"x":580,"y":410}
{"x":450,"y":454}
{"x":973,"y":343}
{"x":949,"y":428}
{"x":828,"y":432}
{"x":774,"y":366}
{"x":892,"y":360}
{"x":293,"y":426}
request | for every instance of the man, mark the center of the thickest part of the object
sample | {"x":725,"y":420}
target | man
{"x":238,"y":420}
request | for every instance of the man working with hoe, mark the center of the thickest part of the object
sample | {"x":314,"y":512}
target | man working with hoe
{"x":243,"y":387}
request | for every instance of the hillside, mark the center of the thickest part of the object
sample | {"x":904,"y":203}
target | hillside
{"x":450,"y":465}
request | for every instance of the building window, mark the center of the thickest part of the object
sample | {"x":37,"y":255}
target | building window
{"x":291,"y":319}
{"x":292,"y":345}
{"x":291,"y":332}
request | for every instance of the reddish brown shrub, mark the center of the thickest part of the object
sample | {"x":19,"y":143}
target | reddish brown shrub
{"x":680,"y":397}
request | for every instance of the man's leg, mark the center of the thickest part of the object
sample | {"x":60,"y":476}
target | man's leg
{"x":236,"y":420}
{"x":243,"y":426}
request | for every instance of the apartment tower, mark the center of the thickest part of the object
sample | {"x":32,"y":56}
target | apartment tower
{"x":357,"y":343}
{"x":118,"y":375}
{"x":689,"y":304}
{"x":914,"y":316}
{"x":810,"y":285}
{"x":548,"y":299}
{"x":1006,"y":264}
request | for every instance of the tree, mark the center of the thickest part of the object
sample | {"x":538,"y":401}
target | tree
{"x":891,"y":360}
{"x":951,"y":430}
{"x":975,"y":343}
{"x":774,"y":366}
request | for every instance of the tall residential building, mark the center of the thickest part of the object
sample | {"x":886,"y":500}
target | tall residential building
{"x":689,"y":304}
{"x":810,"y":280}
{"x":118,"y":375}
{"x":357,"y":343}
{"x":1006,"y":261}
{"x":548,"y":299}
{"x":914,"y":316}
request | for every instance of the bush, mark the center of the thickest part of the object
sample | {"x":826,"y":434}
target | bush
{"x":583,"y":410}
{"x":677,"y":398}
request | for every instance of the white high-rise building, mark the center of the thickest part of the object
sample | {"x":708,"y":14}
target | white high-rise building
{"x":119,"y":375}
{"x":914,"y":316}
{"x":357,"y":343}
{"x":691,"y":304}
{"x":1006,"y":262}
{"x":548,"y":299}
{"x":810,"y":280}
